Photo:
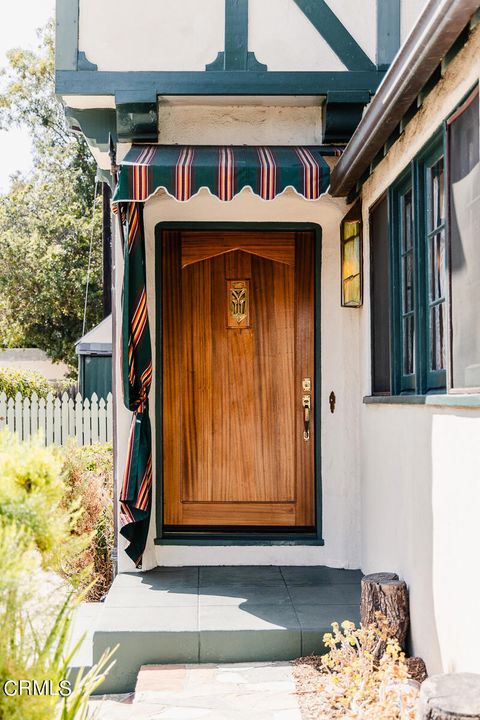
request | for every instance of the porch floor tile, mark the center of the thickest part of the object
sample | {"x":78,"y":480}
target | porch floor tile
{"x":220,"y":614}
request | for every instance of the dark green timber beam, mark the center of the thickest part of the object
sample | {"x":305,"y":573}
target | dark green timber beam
{"x":236,"y":55}
{"x":214,"y":83}
{"x":236,"y":34}
{"x":388,"y":32}
{"x":335,"y":34}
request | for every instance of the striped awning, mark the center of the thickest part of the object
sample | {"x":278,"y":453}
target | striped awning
{"x":183,"y":170}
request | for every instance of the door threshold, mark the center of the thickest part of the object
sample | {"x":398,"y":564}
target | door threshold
{"x":246,"y":536}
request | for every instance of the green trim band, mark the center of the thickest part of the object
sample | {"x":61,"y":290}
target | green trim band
{"x":202,"y":540}
{"x":234,"y":82}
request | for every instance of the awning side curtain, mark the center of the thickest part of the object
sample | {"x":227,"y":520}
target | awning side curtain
{"x":136,"y":492}
{"x":225,"y":170}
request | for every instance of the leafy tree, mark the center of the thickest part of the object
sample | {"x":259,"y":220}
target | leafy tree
{"x":46,"y":218}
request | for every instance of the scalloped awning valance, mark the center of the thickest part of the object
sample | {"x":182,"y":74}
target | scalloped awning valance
{"x":183,"y":170}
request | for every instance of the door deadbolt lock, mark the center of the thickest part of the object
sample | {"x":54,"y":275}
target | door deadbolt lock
{"x":306,"y":384}
{"x":307,"y":404}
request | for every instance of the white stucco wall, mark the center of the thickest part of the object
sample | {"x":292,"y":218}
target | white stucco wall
{"x":166,"y":35}
{"x":340,"y":372}
{"x":188,"y":34}
{"x":419,"y":464}
{"x":409,"y":12}
{"x":278,"y":28}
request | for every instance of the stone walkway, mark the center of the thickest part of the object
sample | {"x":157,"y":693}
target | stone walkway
{"x":239,"y":691}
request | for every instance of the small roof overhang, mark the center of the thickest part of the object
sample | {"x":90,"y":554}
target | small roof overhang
{"x":97,"y":341}
{"x":182,"y":171}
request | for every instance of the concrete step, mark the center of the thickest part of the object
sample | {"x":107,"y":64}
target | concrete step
{"x":220,"y":615}
{"x":86,"y":619}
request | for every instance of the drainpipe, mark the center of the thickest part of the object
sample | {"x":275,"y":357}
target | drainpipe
{"x":436,"y":30}
{"x":107,"y":249}
{"x":113,"y":304}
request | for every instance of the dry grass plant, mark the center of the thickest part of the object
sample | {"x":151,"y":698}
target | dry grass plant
{"x":87,"y":473}
{"x":351,"y":683}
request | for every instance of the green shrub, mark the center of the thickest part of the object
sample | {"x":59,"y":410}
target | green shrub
{"x":35,"y":625}
{"x":25,"y":382}
{"x":42,"y":537}
{"x":32,"y":495}
{"x":87,"y":473}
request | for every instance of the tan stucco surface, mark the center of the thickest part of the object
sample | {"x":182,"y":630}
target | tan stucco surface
{"x":241,"y":124}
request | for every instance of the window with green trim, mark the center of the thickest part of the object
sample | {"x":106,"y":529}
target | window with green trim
{"x":417,"y":233}
{"x":433,"y":237}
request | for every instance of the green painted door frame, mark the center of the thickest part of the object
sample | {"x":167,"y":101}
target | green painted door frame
{"x":236,"y":537}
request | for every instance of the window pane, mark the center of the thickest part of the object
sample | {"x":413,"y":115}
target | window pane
{"x":351,"y":257}
{"x":407,"y":285}
{"x":436,"y":195}
{"x":407,"y":282}
{"x":380,"y":297}
{"x":351,"y":290}
{"x":464,"y":176}
{"x":408,"y":346}
{"x":407,"y":218}
{"x":436,"y":275}
{"x":437,"y":337}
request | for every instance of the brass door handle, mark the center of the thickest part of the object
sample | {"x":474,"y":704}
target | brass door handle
{"x":306,"y":403}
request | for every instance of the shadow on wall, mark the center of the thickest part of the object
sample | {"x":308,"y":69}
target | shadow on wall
{"x":455,"y":443}
{"x":420,"y":500}
{"x":397,"y":517}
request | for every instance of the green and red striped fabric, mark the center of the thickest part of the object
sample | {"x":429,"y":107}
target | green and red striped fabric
{"x":136,"y":493}
{"x":225,"y":170}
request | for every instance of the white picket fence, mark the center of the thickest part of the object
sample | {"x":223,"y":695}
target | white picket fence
{"x":86,"y":420}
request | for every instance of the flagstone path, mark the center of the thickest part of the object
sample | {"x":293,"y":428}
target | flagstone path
{"x":238,"y":691}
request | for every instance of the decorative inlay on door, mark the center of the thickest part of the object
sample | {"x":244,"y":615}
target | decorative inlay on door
{"x":238,"y":304}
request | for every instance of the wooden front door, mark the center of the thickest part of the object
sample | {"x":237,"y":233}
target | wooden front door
{"x":238,"y":367}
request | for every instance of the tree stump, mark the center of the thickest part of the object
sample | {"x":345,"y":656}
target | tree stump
{"x":385,"y":593}
{"x":455,"y":696}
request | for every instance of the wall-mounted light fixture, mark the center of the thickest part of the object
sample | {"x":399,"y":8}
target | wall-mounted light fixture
{"x":351,"y":258}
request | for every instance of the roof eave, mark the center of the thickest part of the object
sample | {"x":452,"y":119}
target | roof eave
{"x":436,"y":30}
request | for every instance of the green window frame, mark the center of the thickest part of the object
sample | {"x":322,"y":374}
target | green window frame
{"x":419,"y":319}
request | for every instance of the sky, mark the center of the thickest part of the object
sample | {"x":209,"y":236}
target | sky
{"x":20,"y":21}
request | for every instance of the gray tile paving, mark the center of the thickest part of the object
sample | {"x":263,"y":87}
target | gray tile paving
{"x":247,"y":617}
{"x":319,"y":575}
{"x":320,"y":617}
{"x":156,"y":597}
{"x":221,"y":614}
{"x":346,"y":594}
{"x":241,"y":575}
{"x":244,"y":595}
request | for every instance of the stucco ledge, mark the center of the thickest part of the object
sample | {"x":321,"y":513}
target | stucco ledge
{"x":467,"y":400}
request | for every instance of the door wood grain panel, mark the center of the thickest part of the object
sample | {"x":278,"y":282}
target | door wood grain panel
{"x":198,"y":246}
{"x":234,"y":452}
